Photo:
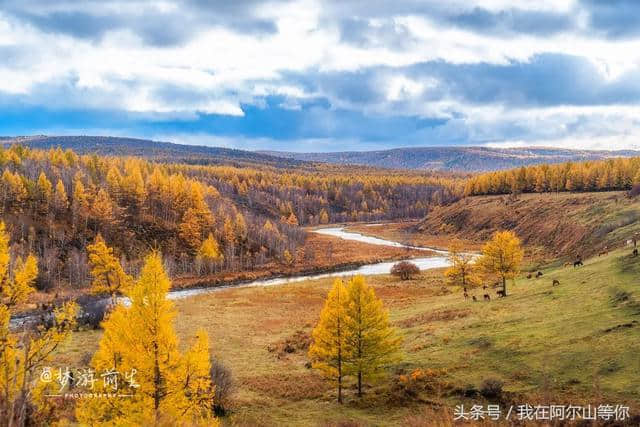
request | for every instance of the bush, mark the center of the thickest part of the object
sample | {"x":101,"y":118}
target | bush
{"x":491,"y":388}
{"x":222,"y":379}
{"x":405,"y":270}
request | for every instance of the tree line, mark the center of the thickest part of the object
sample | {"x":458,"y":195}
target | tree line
{"x":602,"y":175}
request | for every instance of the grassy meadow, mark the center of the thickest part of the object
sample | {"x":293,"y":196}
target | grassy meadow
{"x":573,"y":343}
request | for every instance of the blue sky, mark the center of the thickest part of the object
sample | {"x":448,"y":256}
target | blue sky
{"x":307,"y":75}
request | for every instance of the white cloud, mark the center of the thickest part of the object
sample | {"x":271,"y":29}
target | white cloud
{"x":217,"y":68}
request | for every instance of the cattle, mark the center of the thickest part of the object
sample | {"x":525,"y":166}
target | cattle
{"x":487,"y":297}
{"x":577,"y":263}
{"x":538,"y":274}
{"x":475,"y":299}
{"x":501,"y":293}
{"x":555,"y":282}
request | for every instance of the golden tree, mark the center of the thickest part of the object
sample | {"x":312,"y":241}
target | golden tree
{"x":327,"y":352}
{"x":209,"y":252}
{"x":108,"y":275}
{"x":502,"y":256}
{"x":190,"y":229}
{"x":462,"y":271}
{"x":60,"y":201}
{"x":15,"y":290}
{"x":370,"y":344}
{"x":23,"y":353}
{"x":169,"y":387}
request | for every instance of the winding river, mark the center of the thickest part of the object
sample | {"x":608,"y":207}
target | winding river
{"x":424,"y":263}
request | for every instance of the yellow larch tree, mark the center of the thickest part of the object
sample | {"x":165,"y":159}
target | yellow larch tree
{"x":168,"y":387}
{"x":60,"y":201}
{"x":79,"y":202}
{"x":108,"y":275}
{"x":462,"y":272}
{"x":23,"y":353}
{"x":371,"y":344}
{"x":15,"y":290}
{"x":190,"y":229}
{"x":502,"y":256}
{"x":327,"y":352}
{"x":44,"y":192}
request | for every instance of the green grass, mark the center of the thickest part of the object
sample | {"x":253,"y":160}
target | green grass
{"x":573,"y":343}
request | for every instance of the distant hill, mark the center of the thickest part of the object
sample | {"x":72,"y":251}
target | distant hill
{"x":107,"y":145}
{"x":459,"y":159}
{"x":469,"y":159}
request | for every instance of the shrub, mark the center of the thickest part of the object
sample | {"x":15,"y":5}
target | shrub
{"x":491,"y":388}
{"x":405,"y":270}
{"x":222,"y":379}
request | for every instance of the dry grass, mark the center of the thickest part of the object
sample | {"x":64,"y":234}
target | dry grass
{"x":547,"y":344}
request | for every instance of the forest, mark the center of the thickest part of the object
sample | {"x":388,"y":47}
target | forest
{"x":203,"y":218}
{"x":601,"y":175}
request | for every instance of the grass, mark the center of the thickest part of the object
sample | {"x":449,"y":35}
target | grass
{"x":573,"y":343}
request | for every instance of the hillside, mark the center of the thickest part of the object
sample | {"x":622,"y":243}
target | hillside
{"x":262,"y":335}
{"x":468,"y":159}
{"x":115,"y":146}
{"x":560,"y":225}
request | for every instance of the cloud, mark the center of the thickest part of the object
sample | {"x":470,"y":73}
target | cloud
{"x":337,"y":73}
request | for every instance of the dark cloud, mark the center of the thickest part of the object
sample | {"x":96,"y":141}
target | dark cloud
{"x":513,"y":21}
{"x":91,"y":20}
{"x":545,"y":80}
{"x":355,"y":21}
{"x":613,"y":18}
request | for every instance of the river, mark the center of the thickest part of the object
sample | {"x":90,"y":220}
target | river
{"x":424,"y":263}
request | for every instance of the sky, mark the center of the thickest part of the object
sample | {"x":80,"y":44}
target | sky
{"x":325,"y":75}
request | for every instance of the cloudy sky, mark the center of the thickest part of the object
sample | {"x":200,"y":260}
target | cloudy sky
{"x":325,"y":75}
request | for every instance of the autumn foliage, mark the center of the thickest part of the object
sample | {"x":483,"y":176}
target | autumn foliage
{"x":171,"y":386}
{"x":405,"y":270}
{"x":612,"y":174}
{"x":353,"y":336}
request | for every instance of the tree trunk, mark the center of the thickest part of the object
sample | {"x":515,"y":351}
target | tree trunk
{"x":504,"y":285}
{"x":339,"y":376}
{"x":359,"y":383}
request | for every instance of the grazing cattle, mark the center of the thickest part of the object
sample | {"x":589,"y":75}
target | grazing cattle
{"x":466,"y":295}
{"x":577,"y":263}
{"x":635,"y":252}
{"x":538,"y":274}
{"x":555,"y":282}
{"x":529,"y":276}
{"x":485,"y":287}
{"x":487,"y":297}
{"x":475,"y":299}
{"x":501,"y":293}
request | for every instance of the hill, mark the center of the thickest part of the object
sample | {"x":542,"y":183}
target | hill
{"x":556,"y":224}
{"x":115,"y":146}
{"x":468,"y":159}
{"x":575,"y":343}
